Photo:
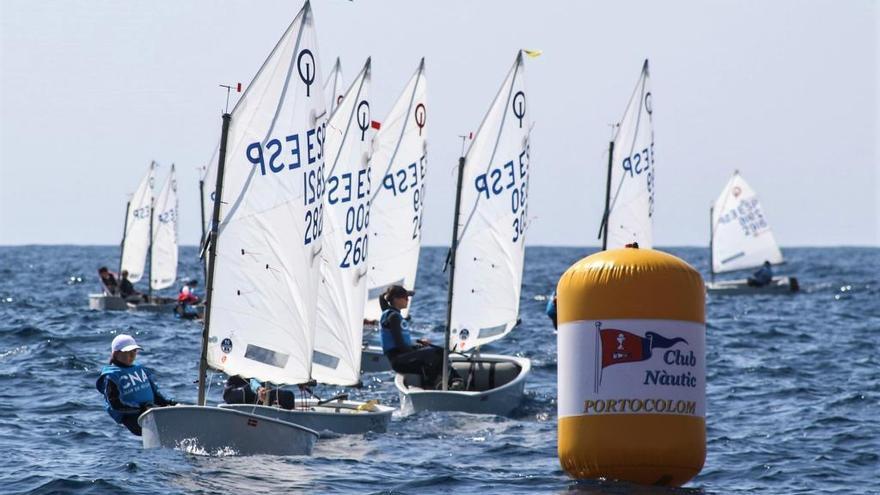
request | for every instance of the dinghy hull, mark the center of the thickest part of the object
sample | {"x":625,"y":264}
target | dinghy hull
{"x":373,"y":360}
{"x":779,"y":285}
{"x":103,"y":302}
{"x":216,"y":431}
{"x":500,"y":400}
{"x":154,"y":305}
{"x":336,"y":417}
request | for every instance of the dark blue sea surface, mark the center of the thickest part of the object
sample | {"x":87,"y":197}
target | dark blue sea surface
{"x":793,"y":392}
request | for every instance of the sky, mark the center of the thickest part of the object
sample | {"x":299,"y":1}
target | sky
{"x":784,"y":91}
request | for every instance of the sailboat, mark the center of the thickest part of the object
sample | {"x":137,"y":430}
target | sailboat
{"x":343,"y":258}
{"x":333,"y":87}
{"x":398,"y":166}
{"x":162,"y":248}
{"x":629,"y":190}
{"x":485,"y":264}
{"x":264,"y":252}
{"x":740,"y":238}
{"x":135,"y":241}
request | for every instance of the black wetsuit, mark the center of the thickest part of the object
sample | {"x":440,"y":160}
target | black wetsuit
{"x":126,"y":289}
{"x":404,"y":358}
{"x":110,"y":284}
{"x":238,"y":391}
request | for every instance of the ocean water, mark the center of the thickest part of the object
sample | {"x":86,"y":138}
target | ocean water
{"x":793,"y":392}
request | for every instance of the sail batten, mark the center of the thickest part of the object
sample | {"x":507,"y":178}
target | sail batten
{"x":631,"y":180}
{"x":341,"y":293}
{"x":741,"y":235}
{"x":398,"y":166}
{"x":494,"y":206}
{"x":267,"y":250}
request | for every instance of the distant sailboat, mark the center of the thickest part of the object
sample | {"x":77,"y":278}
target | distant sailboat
{"x":398,"y":168}
{"x":264,"y":252}
{"x":629,"y":190}
{"x":486,"y":263}
{"x":142,"y":229}
{"x":164,"y":246}
{"x":740,"y":238}
{"x":138,"y":226}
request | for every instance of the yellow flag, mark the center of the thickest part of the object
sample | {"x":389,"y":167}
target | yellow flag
{"x":533,"y":53}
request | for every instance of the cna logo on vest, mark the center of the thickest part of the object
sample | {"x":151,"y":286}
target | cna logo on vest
{"x":134,"y":381}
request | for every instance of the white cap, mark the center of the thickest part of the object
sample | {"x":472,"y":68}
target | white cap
{"x":124,"y":343}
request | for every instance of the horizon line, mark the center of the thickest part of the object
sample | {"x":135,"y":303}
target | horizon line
{"x":573,"y":246}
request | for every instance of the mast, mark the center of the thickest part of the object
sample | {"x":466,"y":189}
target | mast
{"x":124,"y":233}
{"x":212,"y":253}
{"x":452,"y":250}
{"x":150,"y":250}
{"x":711,"y":242}
{"x":604,"y":232}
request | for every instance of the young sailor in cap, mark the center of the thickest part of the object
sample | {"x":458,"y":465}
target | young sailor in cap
{"x":128,"y":388}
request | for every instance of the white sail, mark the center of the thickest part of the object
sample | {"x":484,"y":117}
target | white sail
{"x":137,"y":228}
{"x":398,"y":166}
{"x":164,"y":255}
{"x":631,"y":201}
{"x":339,"y":330}
{"x":333,"y":87}
{"x":741,"y":236}
{"x":267,"y":252}
{"x":208,"y":183}
{"x":493,"y":220}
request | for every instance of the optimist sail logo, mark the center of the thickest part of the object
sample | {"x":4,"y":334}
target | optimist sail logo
{"x":305,"y":65}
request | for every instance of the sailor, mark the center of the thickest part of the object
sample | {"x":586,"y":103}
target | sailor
{"x":187,"y":293}
{"x":422,"y":358}
{"x":240,"y":391}
{"x":126,"y":289}
{"x":761,"y":277}
{"x":111,"y":286}
{"x":128,"y":388}
{"x":550,"y":310}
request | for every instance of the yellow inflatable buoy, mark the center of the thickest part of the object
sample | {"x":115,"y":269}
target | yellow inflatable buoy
{"x":632,"y":368}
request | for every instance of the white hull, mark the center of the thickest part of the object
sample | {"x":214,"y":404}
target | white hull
{"x":499,"y":389}
{"x":779,"y":285}
{"x":339,"y":416}
{"x":103,"y":302}
{"x":373,"y":360}
{"x":216,"y":431}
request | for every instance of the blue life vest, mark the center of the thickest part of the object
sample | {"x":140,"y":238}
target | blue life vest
{"x":550,"y":310}
{"x":764,"y":275}
{"x":134,"y":384}
{"x":387,"y":339}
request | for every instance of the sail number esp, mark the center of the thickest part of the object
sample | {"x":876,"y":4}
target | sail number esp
{"x":513,"y":176}
{"x":289,"y":153}
{"x":410,"y":180}
{"x":352,"y":191}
